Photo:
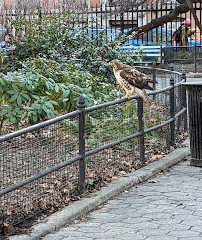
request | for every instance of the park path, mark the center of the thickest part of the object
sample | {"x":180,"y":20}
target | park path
{"x":167,"y":207}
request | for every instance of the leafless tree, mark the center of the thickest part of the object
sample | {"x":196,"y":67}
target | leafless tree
{"x":183,"y":7}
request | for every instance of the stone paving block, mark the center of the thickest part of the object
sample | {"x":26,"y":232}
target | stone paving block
{"x":65,"y":233}
{"x":177,"y":227}
{"x":128,"y":235}
{"x":190,"y":238}
{"x":76,"y":238}
{"x":113,"y":219}
{"x":188,"y":218}
{"x":186,"y":234}
{"x":53,"y":237}
{"x":192,"y":223}
{"x":91,"y":229}
{"x":144,"y":225}
{"x":161,"y":238}
{"x":196,"y":229}
{"x":156,"y":215}
{"x":154,"y":232}
{"x":117,"y":205}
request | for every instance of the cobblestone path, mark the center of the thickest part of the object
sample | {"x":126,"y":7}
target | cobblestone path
{"x":167,"y":207}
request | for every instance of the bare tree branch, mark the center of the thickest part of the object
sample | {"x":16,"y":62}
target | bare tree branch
{"x":189,"y":3}
{"x":183,"y":8}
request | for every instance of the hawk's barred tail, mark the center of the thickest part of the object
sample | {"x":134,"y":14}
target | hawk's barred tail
{"x":142,"y":93}
{"x":151,"y":80}
{"x":149,"y":88}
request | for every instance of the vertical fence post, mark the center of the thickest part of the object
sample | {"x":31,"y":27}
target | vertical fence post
{"x":141,"y":129}
{"x":184,"y":99}
{"x":162,"y":53}
{"x":81,"y":107}
{"x":154,"y":79}
{"x":195,"y":57}
{"x":172,"y":110}
{"x":122,"y":22}
{"x":172,"y":67}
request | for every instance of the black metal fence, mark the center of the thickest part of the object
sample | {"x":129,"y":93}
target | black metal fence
{"x":184,"y":54}
{"x":45,"y":166}
{"x":113,"y":19}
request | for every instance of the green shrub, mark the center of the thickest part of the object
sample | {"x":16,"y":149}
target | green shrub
{"x":53,"y":66}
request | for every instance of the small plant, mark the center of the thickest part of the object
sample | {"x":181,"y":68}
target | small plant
{"x":53,"y":63}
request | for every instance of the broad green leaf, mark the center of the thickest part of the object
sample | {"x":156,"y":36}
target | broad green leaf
{"x":14,"y":97}
{"x":66,"y":93}
{"x":36,"y":106}
{"x":15,"y":88}
{"x":26,"y":96}
{"x":13,"y":120}
{"x":49,"y":105}
{"x":2,"y":113}
{"x":10,"y":115}
{"x":11,"y":92}
{"x":35,"y":118}
{"x":53,"y":102}
{"x":19,"y":100}
{"x":45,"y":109}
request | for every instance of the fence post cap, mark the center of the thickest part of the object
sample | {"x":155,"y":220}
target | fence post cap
{"x":171,"y":66}
{"x":183,"y":70}
{"x":81,"y":102}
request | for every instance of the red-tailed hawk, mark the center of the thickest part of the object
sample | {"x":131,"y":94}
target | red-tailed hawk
{"x":131,"y":80}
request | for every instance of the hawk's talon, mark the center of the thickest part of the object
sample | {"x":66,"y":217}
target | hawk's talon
{"x":126,"y":97}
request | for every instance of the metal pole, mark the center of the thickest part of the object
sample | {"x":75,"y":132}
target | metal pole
{"x":184,"y":98}
{"x":195,"y":57}
{"x":172,"y":67}
{"x":172,"y":111}
{"x":82,"y":106}
{"x":161,"y":49}
{"x":121,"y":22}
{"x":154,"y":79}
{"x":141,"y":129}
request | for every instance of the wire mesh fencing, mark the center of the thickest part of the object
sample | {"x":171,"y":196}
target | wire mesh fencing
{"x":45,"y":166}
{"x":27,"y":156}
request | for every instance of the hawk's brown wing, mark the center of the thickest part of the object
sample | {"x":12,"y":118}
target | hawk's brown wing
{"x":134,"y":77}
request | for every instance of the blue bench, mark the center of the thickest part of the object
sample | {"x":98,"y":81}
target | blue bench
{"x":145,"y":54}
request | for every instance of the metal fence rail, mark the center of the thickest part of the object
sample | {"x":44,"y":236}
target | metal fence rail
{"x":42,"y":167}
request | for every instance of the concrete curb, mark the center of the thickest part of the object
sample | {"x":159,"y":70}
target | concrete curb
{"x":85,"y":205}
